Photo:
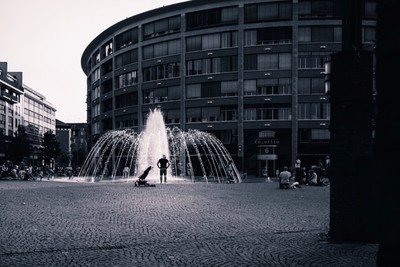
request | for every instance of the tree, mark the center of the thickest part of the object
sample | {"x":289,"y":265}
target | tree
{"x":20,"y":147}
{"x":50,"y":147}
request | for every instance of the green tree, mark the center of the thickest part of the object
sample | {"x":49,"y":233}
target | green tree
{"x":20,"y":147}
{"x":50,"y":147}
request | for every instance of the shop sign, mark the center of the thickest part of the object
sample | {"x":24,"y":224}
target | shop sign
{"x":266,"y":142}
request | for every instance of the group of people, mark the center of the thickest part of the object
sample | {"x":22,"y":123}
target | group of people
{"x":25,"y":172}
{"x":317,"y":175}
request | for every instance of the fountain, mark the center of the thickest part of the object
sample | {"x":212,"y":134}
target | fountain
{"x":194,"y":155}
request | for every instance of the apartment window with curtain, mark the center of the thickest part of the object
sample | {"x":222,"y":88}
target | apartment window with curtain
{"x":212,"y":17}
{"x":161,"y":27}
{"x":126,"y":38}
{"x":267,"y":12}
{"x":162,"y":49}
{"x":311,"y":85}
{"x":126,"y":58}
{"x":314,"y":111}
{"x":313,"y":60}
{"x":193,"y":91}
{"x":325,"y":34}
{"x":319,"y":9}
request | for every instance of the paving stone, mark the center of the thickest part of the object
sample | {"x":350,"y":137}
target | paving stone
{"x":54,"y":223}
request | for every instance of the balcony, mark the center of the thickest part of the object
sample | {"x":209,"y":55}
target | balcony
{"x":10,"y":98}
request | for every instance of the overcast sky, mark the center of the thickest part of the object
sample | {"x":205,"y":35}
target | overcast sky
{"x":45,"y":39}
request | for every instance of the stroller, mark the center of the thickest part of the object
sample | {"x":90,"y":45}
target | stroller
{"x":142,"y":178}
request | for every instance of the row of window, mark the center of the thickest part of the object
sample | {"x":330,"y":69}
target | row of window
{"x":253,"y":87}
{"x":32,"y":104}
{"x":308,"y":9}
{"x":276,"y":35}
{"x":252,"y":62}
{"x":31,"y":115}
{"x":307,"y":111}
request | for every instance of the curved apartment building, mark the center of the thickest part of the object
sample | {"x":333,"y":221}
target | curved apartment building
{"x":250,"y":72}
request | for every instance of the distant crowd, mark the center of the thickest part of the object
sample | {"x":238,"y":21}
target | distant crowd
{"x":317,"y":175}
{"x":25,"y":171}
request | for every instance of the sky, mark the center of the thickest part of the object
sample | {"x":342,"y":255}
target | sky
{"x":45,"y":40}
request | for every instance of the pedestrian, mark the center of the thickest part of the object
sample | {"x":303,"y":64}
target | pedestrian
{"x":229,"y":172}
{"x":298,"y":171}
{"x":125,"y":172}
{"x":313,"y":179}
{"x":265,"y":174}
{"x":163,"y":165}
{"x":284,"y":178}
{"x":40,"y":172}
{"x":29,"y":173}
{"x":327,"y":164}
{"x":69,"y":173}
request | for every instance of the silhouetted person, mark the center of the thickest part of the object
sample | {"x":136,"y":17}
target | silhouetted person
{"x":284,"y":178}
{"x":298,"y":171}
{"x":163,"y":164}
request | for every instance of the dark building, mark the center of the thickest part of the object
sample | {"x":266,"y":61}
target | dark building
{"x":73,"y":143}
{"x":250,"y":72}
{"x":11,"y":89}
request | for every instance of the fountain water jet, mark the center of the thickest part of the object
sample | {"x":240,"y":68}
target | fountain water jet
{"x":194,"y":155}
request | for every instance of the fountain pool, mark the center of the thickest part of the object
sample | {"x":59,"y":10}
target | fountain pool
{"x":194,"y":155}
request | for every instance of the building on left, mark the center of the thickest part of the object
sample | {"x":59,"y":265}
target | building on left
{"x":22,"y":105}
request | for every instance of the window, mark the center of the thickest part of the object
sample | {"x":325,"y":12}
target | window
{"x":127,"y":79}
{"x":95,"y":75}
{"x":126,"y":121}
{"x":161,"y":94}
{"x":267,"y":12}
{"x":368,"y":35}
{"x":95,"y":92}
{"x":126,"y":38}
{"x":320,"y":135}
{"x":193,"y":43}
{"x":211,"y":89}
{"x":229,"y":88}
{"x":320,"y":34}
{"x":313,"y":60}
{"x":159,"y":72}
{"x":162,"y":27}
{"x":211,"y":41}
{"x":319,"y":9}
{"x":268,"y":36}
{"x":274,"y":61}
{"x":314,"y":111}
{"x":126,"y":58}
{"x":174,"y":93}
{"x":311,"y":85}
{"x":107,"y":49}
{"x":172,"y":116}
{"x":210,"y":114}
{"x":272,"y":112}
{"x":229,"y":113}
{"x":126,"y":100}
{"x":279,"y":86}
{"x":212,"y":17}
{"x":193,"y":91}
{"x":193,"y":115}
{"x":162,"y":49}
{"x":211,"y":65}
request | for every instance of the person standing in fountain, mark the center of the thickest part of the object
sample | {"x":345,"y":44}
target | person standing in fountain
{"x":163,"y":164}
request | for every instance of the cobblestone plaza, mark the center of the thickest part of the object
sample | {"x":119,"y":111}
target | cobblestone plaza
{"x":53,"y":223}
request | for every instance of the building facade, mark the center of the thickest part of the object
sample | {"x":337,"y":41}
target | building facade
{"x":250,"y":72}
{"x":11,"y":91}
{"x":22,"y":105}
